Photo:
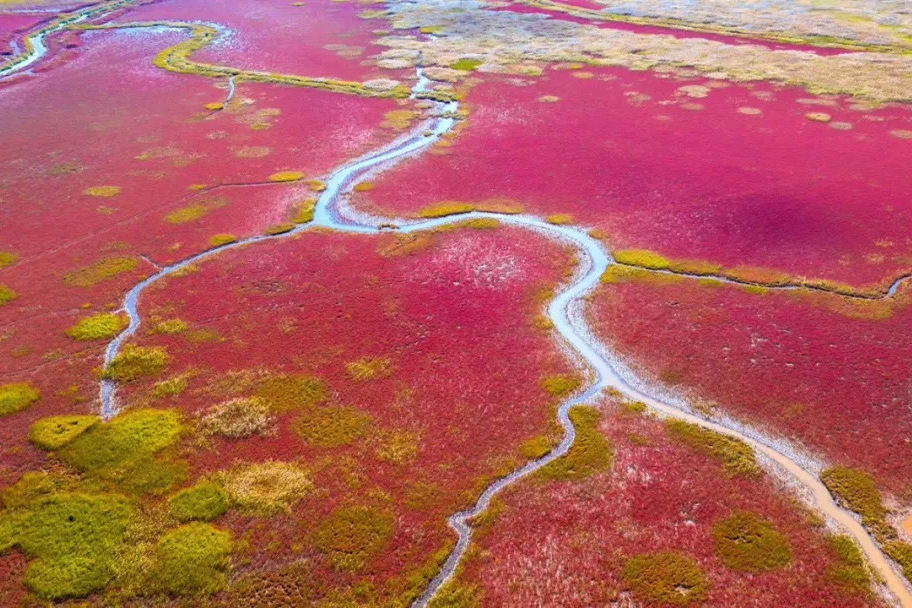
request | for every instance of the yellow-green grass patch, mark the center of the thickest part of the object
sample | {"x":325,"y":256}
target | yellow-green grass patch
{"x":369,"y":368}
{"x":286,"y":176}
{"x":205,"y":501}
{"x":192,"y":560}
{"x":737,"y":458}
{"x":170,"y":327}
{"x":104,"y":325}
{"x":8,"y":258}
{"x":102,"y":191}
{"x":590,"y":453}
{"x":87,"y":276}
{"x":57,"y":431}
{"x":445,"y":208}
{"x":236,"y":418}
{"x":286,"y":393}
{"x":16,"y":396}
{"x":220,"y":240}
{"x":7,"y":294}
{"x":857,"y":490}
{"x":561,"y":385}
{"x":135,"y":362}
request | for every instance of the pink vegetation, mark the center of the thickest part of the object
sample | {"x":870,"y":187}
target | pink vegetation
{"x":565,"y":544}
{"x":688,"y":177}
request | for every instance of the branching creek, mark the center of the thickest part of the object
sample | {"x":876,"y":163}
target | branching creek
{"x":566,"y":311}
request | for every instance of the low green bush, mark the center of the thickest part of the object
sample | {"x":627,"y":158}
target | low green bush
{"x":857,"y":490}
{"x":7,"y":294}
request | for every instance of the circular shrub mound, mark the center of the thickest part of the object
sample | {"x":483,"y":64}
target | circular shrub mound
{"x":266,"y":488}
{"x":666,"y":576}
{"x":135,"y":362}
{"x":747,"y":543}
{"x":17,"y":396}
{"x":204,"y":501}
{"x":238,"y":418}
{"x":96,"y":327}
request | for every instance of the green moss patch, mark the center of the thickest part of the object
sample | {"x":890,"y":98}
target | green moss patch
{"x":737,"y":457}
{"x":351,"y":535}
{"x":136,"y":362}
{"x":192,"y":560}
{"x":205,"y":501}
{"x":668,"y":577}
{"x":536,"y":447}
{"x":857,"y":490}
{"x":55,"y":432}
{"x":96,"y":327}
{"x":747,"y":543}
{"x":333,"y":426}
{"x":590,"y":453}
{"x":17,"y":396}
{"x":74,"y":539}
{"x":171,"y":387}
{"x":125,"y":450}
{"x":7,"y":295}
{"x":267,"y":488}
{"x":561,"y":385}
{"x":103,"y":270}
{"x":641,"y":258}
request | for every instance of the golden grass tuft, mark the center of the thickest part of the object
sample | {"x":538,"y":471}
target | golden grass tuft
{"x":267,"y":488}
{"x":818,"y":116}
{"x":87,"y":276}
{"x":364,"y":186}
{"x":239,"y":417}
{"x":559,"y":219}
{"x":7,"y":295}
{"x":445,"y":208}
{"x":641,"y":258}
{"x":747,"y":543}
{"x":8,"y":258}
{"x":102,"y":191}
{"x":303,"y":211}
{"x":400,"y":446}
{"x":369,"y":368}
{"x":857,"y":490}
{"x":561,"y":385}
{"x":214,"y":106}
{"x":220,"y":240}
{"x":286,"y":393}
{"x":286,"y":176}
{"x":279,"y":229}
{"x":170,"y":327}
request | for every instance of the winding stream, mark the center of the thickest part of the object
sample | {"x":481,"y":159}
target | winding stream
{"x":565,"y":311}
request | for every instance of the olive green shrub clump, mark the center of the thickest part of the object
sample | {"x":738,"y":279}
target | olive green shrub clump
{"x":737,"y":457}
{"x":747,"y":543}
{"x":97,"y":327}
{"x":126,"y":451}
{"x":135,"y":362}
{"x":668,"y":577}
{"x":351,"y":535}
{"x":192,"y":560}
{"x":72,"y":537}
{"x":205,"y":501}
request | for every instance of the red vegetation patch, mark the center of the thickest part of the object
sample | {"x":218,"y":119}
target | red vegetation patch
{"x":771,"y":189}
{"x":837,"y":384}
{"x":430,"y":361}
{"x":583,"y":543}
